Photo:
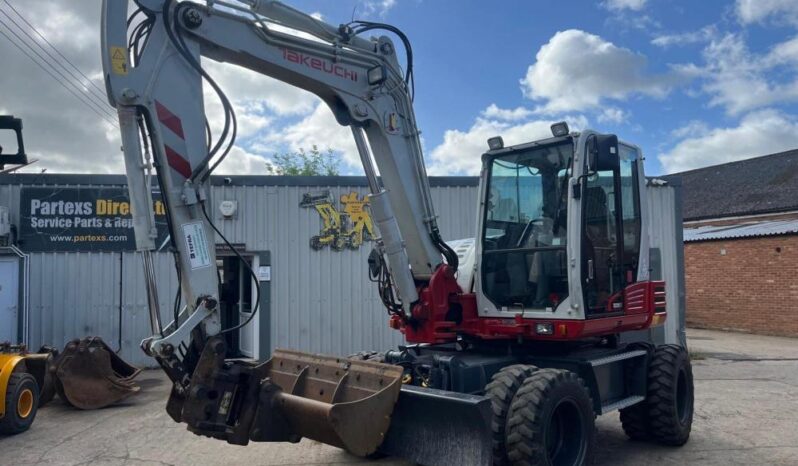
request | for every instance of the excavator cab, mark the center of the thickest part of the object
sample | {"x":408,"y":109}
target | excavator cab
{"x":561,"y":231}
{"x":12,"y":148}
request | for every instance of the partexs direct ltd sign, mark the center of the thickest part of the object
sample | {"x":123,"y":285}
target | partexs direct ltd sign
{"x":81,"y":219}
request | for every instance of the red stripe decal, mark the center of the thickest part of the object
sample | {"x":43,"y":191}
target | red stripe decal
{"x":177,"y":162}
{"x":169,"y":119}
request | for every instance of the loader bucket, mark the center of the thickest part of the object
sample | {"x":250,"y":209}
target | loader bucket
{"x":336,"y":401}
{"x":90,"y":375}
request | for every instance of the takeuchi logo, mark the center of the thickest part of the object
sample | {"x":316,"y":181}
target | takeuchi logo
{"x":320,"y":64}
{"x":340,"y":230}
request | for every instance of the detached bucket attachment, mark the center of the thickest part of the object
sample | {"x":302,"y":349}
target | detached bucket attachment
{"x":90,"y":375}
{"x":337,"y":401}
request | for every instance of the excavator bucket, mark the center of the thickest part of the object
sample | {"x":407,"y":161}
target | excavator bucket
{"x":336,"y":401}
{"x":90,"y":375}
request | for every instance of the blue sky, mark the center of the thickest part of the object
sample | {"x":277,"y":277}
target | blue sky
{"x":673,"y":84}
{"x":694,"y":83}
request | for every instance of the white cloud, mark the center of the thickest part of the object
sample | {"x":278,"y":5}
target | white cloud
{"x":376,"y":8}
{"x":73,"y":139}
{"x":684,"y":38}
{"x":618,"y":5}
{"x":241,"y":162}
{"x":518,"y":113}
{"x":576,"y":70}
{"x":60,"y":131}
{"x":758,"y":11}
{"x":461,"y":151}
{"x":613,"y":115}
{"x":318,"y":128}
{"x":244,"y":86}
{"x":694,"y":128}
{"x":759,"y":133}
{"x":740,"y":80}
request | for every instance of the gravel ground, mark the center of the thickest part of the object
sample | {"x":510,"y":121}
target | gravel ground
{"x":746,"y":413}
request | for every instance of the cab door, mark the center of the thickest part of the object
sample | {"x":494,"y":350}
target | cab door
{"x":611,"y":226}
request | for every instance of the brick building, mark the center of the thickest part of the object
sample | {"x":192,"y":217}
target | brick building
{"x":741,"y":245}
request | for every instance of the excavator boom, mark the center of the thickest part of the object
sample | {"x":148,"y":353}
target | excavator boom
{"x":153,"y":70}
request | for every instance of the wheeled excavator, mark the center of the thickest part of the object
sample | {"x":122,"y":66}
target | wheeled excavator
{"x":515,"y":340}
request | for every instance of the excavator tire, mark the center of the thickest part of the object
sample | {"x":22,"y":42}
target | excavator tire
{"x":501,"y":390}
{"x":22,"y":401}
{"x":670,"y":395}
{"x":634,"y":421}
{"x":666,"y":415}
{"x":551,"y":421}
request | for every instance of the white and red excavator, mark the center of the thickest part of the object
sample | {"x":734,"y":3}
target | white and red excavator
{"x":515,"y":340}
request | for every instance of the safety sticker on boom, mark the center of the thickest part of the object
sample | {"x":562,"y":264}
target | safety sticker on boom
{"x":118,"y":60}
{"x":197,"y":245}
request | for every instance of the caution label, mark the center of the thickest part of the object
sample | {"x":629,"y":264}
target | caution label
{"x":119,"y":60}
{"x":196,"y":245}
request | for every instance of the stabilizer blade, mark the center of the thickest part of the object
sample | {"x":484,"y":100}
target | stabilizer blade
{"x":440,"y":428}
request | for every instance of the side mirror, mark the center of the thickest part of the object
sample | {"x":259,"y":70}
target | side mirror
{"x":602,"y":153}
{"x":8,"y":122}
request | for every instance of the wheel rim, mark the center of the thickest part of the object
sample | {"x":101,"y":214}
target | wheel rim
{"x":682,"y":397}
{"x":25,"y":403}
{"x":565,"y":438}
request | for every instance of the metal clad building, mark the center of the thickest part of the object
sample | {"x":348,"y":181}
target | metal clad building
{"x":314,"y":297}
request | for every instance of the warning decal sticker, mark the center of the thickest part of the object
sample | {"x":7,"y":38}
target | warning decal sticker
{"x":119,"y":60}
{"x":196,"y":245}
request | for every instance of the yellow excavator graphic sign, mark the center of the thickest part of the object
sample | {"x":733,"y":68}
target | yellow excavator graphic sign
{"x":340,"y":229}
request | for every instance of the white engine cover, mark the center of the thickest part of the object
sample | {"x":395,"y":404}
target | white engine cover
{"x":466,"y":250}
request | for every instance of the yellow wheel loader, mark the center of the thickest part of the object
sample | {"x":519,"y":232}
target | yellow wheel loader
{"x":25,"y":385}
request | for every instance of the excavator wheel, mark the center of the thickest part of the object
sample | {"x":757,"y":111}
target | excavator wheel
{"x":22,"y":401}
{"x":551,"y":421}
{"x":670,"y":395}
{"x":634,"y":421}
{"x":666,"y":415}
{"x":501,"y":390}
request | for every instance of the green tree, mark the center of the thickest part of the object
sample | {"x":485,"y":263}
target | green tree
{"x":313,"y":162}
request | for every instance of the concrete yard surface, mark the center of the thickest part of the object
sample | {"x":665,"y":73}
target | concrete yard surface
{"x":746,"y":413}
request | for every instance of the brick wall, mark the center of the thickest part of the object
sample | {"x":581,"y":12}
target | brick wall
{"x":748,"y":284}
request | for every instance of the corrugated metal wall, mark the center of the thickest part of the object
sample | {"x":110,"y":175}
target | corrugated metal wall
{"x":322,"y":301}
{"x":78,"y":294}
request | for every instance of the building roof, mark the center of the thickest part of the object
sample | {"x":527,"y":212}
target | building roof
{"x":759,"y":185}
{"x":743,"y":230}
